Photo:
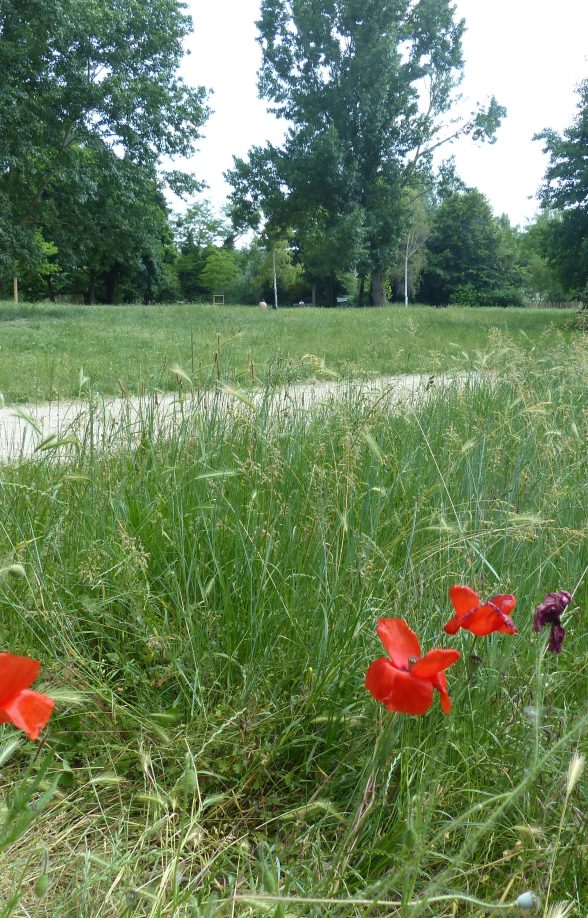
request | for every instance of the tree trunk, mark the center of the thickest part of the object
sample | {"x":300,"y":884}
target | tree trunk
{"x":275,"y":278}
{"x":111,"y":282}
{"x":92,"y":290}
{"x":50,"y":290}
{"x":406,"y":271}
{"x":378,"y":289}
{"x":361,"y":297}
{"x":314,"y":294}
{"x":331,"y":291}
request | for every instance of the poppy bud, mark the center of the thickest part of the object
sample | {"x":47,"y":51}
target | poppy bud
{"x":42,"y":885}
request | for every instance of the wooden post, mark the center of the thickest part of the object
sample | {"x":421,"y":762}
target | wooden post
{"x":15,"y":288}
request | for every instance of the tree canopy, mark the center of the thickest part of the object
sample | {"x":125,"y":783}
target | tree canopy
{"x":87,"y":81}
{"x":93,"y":111}
{"x":367,"y":88}
{"x":470,"y":261}
{"x":565,"y":191}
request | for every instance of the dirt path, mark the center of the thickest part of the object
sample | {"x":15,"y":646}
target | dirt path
{"x":28,"y":431}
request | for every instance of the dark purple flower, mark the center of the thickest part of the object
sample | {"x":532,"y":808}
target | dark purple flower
{"x":549,"y":612}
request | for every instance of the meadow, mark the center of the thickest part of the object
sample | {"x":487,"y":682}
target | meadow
{"x":204,"y":605}
{"x":51,"y":351}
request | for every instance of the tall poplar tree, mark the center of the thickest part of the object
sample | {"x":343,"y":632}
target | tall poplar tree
{"x":367,"y":87}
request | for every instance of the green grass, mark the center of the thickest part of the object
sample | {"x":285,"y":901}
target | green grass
{"x":204,"y":606}
{"x":46,"y":347}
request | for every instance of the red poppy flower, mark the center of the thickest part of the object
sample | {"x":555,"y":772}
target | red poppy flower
{"x":29,"y":711}
{"x":405,"y":681}
{"x":478,"y":617}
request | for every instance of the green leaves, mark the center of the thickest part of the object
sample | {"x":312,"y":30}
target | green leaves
{"x":565,"y":187}
{"x":366,"y":88}
{"x":468,"y":257}
{"x":80,"y":80}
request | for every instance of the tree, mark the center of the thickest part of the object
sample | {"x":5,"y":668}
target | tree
{"x":110,"y":227}
{"x":330,"y":247}
{"x":467,"y":262}
{"x":198,"y":227}
{"x":565,"y":189}
{"x":349,"y":76}
{"x":540,"y":279}
{"x":256,"y":275}
{"x":272,"y":260}
{"x":79,"y":74}
{"x":196,"y":231}
{"x":220,"y":270}
{"x":414,"y":244}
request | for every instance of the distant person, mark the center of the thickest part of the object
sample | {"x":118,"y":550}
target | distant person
{"x":262,"y":304}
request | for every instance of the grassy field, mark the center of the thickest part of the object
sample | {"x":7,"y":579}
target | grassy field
{"x":47,"y":350}
{"x":204,"y":607}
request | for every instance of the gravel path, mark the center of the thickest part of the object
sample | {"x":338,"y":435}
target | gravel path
{"x":28,"y":431}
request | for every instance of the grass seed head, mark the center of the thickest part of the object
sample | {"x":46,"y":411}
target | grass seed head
{"x":559,"y":910}
{"x":15,"y":570}
{"x":575,"y":770}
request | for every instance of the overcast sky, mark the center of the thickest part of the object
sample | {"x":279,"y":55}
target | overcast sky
{"x":530,"y":54}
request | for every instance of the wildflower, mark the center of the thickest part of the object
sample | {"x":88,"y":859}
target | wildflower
{"x":29,"y":711}
{"x":549,"y":612}
{"x":404,"y":681}
{"x":478,"y":617}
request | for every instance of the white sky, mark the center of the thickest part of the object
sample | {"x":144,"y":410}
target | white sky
{"x":530,"y":54}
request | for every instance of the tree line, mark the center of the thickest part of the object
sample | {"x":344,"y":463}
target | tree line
{"x":352,"y":206}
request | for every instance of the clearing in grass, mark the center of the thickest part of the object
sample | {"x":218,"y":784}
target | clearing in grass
{"x":54,"y":351}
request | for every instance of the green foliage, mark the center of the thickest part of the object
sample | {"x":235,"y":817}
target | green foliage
{"x":260,"y":260}
{"x":565,"y":189}
{"x":465,"y":295}
{"x":540,"y":280}
{"x":469,"y":295}
{"x":348,"y":76}
{"x":111,"y":228}
{"x":413,"y":254}
{"x":329,"y":246}
{"x":199,"y":227}
{"x":197,"y":231}
{"x":42,"y":268}
{"x":471,"y":256}
{"x":564,"y":245}
{"x":220,"y":270}
{"x":80,"y":81}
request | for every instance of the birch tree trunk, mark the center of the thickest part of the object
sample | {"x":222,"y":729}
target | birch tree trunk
{"x":406,"y":270}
